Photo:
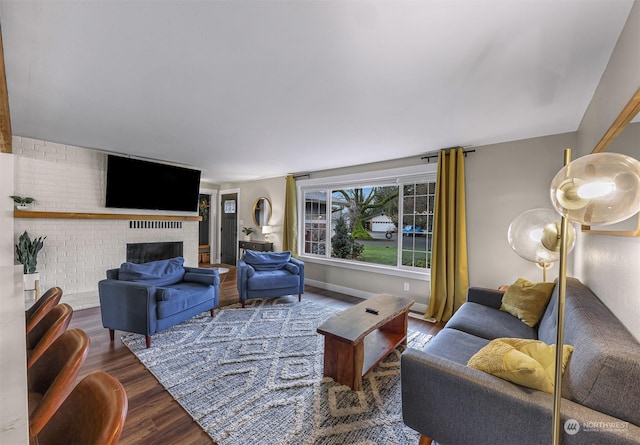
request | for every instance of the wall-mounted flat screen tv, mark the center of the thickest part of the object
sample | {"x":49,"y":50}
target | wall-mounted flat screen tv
{"x":138,"y":184}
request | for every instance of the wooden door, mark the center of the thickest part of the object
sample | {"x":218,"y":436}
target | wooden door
{"x":229,"y":225}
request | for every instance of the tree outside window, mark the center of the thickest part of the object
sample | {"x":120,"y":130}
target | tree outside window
{"x":403,"y":239}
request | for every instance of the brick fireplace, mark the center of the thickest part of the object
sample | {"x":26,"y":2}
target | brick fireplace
{"x":77,"y":252}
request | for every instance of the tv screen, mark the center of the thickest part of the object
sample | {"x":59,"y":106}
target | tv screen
{"x":138,"y":184}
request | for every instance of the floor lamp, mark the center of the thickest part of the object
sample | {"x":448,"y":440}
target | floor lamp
{"x":535,"y":236}
{"x":597,"y":189}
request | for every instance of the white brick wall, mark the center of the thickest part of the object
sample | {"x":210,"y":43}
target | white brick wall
{"x":77,"y":252}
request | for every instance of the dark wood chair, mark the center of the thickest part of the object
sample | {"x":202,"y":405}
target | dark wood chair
{"x":42,"y":305}
{"x":54,"y":323}
{"x":93,"y":414}
{"x":52,"y":377}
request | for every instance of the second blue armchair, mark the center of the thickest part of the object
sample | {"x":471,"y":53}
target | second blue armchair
{"x":269,"y":274}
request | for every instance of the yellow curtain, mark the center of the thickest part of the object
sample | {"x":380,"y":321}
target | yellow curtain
{"x":290,"y":229}
{"x":449,"y":268}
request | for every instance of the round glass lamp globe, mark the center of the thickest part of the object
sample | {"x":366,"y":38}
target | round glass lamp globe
{"x":534,"y":235}
{"x":598,"y":189}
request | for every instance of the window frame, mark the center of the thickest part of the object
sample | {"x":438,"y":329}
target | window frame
{"x":396,"y":176}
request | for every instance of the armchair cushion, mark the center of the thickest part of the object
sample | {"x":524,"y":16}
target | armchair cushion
{"x":292,"y":268}
{"x":156,"y":273}
{"x":274,"y":279}
{"x":266,"y":260}
{"x":180,"y":297}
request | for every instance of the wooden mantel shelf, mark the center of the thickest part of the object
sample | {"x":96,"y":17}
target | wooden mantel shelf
{"x":73,"y":215}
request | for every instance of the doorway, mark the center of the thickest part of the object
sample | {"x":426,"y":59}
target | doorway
{"x":228,"y":228}
{"x":204,"y":226}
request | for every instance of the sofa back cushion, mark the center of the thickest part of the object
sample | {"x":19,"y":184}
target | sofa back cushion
{"x":604,"y":370}
{"x":156,"y":273}
{"x":266,"y":260}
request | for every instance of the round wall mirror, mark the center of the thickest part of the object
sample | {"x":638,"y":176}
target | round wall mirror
{"x":262,"y":211}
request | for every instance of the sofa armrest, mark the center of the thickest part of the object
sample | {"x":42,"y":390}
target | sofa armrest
{"x":128,"y":306}
{"x":202,"y":270}
{"x":452,"y":403}
{"x":485,"y":296}
{"x":243,"y":272}
{"x":210,"y":277}
{"x":300,"y":265}
{"x":208,"y":280}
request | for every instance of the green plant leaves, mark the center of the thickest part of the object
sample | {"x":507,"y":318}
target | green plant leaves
{"x":27,"y":251}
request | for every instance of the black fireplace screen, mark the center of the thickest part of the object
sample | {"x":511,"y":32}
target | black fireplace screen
{"x":145,"y":252}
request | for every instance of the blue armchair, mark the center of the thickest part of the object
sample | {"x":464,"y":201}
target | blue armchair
{"x":269,"y":274}
{"x":151,"y":297}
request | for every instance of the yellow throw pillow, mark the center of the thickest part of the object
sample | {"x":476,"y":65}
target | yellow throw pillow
{"x":527,"y":300}
{"x":529,"y":363}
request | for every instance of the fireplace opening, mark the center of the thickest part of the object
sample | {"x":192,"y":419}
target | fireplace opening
{"x":145,"y":252}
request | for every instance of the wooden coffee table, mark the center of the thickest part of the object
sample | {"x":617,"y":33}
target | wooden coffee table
{"x":357,"y":340}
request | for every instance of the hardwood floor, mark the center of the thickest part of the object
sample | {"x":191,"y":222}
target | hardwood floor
{"x":154,"y":418}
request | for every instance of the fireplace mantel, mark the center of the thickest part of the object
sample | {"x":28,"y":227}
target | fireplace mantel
{"x":129,"y":216}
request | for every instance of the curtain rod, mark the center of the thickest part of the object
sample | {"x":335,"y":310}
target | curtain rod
{"x":429,"y":157}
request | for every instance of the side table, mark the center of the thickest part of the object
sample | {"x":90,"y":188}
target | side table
{"x":222,"y":273}
{"x":258,"y":246}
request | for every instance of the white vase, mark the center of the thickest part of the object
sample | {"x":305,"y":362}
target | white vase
{"x":22,"y":207}
{"x":31,"y":284}
{"x":29,"y":280}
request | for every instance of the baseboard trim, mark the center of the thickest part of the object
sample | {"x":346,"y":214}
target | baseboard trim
{"x":364,"y":295}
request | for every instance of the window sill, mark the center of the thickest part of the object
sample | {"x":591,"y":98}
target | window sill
{"x":368,"y":267}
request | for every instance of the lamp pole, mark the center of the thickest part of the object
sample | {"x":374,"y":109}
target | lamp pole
{"x":562,"y":288}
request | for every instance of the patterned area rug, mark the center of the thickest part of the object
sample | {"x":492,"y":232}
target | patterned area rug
{"x":254,"y":376}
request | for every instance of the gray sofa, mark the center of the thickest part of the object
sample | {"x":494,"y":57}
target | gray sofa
{"x":445,"y":400}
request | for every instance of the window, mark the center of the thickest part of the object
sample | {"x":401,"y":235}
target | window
{"x":381,"y":221}
{"x":315,"y":222}
{"x":418,"y":201}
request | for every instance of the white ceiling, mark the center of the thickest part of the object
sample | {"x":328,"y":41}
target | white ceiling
{"x":253,"y":89}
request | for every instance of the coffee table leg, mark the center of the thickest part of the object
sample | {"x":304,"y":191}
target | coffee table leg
{"x":343,"y":362}
{"x":398,"y":325}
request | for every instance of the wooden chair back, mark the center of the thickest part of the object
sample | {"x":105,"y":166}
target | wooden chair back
{"x":44,"y":304}
{"x":52,"y":377}
{"x":93,"y":414}
{"x":52,"y":325}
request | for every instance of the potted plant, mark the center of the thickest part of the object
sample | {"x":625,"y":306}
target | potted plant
{"x":27,"y":251}
{"x":247,"y":233}
{"x":203,"y":208}
{"x":22,"y":203}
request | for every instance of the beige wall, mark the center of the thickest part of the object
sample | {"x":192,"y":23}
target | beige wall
{"x":248,"y":192}
{"x":364,"y":284}
{"x":620,"y":80}
{"x":6,"y":209}
{"x":609,"y":265}
{"x":504,"y":180}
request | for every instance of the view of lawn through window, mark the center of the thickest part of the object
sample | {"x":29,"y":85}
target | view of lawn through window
{"x":390,"y":225}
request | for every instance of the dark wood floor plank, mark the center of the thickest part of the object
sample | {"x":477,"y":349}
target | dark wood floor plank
{"x":154,"y":417}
